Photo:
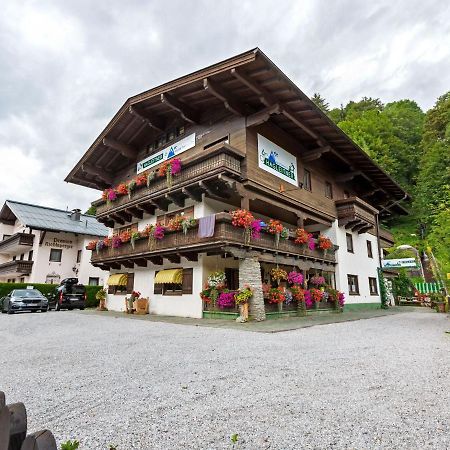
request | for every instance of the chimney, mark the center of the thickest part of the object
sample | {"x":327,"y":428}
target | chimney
{"x":75,"y":215}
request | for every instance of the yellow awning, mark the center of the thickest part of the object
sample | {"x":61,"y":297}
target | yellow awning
{"x":169,"y":276}
{"x":118,"y":279}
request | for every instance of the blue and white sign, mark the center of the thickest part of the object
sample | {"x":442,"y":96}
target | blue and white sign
{"x":167,"y":153}
{"x":277,"y":161}
{"x":398,"y":263}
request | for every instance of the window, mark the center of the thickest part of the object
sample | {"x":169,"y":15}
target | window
{"x":79,"y":256}
{"x":369,"y":249}
{"x":232,"y":276}
{"x":93,"y":281}
{"x":52,"y":279}
{"x":373,"y":286}
{"x":353,"y":286}
{"x":22,"y":256}
{"x":164,"y":219}
{"x":328,"y":190}
{"x":22,"y":280}
{"x":130,"y":283}
{"x":176,"y":289}
{"x":349,"y":238}
{"x":30,"y":255}
{"x":14,"y":257}
{"x":346,"y":194}
{"x":55,"y":255}
{"x":307,"y":180}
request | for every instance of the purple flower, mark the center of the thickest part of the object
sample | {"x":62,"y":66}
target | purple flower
{"x":158,"y":233}
{"x":341,"y":299}
{"x":112,"y":195}
{"x":317,"y":281}
{"x":256,"y":229}
{"x":311,"y":243}
{"x":308,"y":299}
{"x":176,"y":166}
{"x":295,"y":278}
{"x":226,"y":300}
{"x":116,"y":242}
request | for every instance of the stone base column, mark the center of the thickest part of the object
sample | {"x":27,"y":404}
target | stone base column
{"x":250,"y":273}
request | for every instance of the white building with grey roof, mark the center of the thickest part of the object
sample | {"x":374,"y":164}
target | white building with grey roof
{"x":45,"y":245}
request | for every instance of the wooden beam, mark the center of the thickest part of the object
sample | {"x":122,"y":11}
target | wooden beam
{"x":263,"y":115}
{"x":160,"y":203}
{"x":129,"y":264}
{"x":156,"y":260}
{"x":146,"y":207}
{"x":206,"y":188}
{"x":114,"y":265}
{"x":365,"y":228}
{"x":317,"y":153}
{"x":174,"y":199}
{"x":117,"y":219}
{"x":124,"y":149}
{"x":92,"y":170}
{"x":175,"y":259}
{"x":190,"y":256}
{"x":264,"y":96}
{"x":141,"y":262}
{"x":230,"y":103}
{"x":136,"y":212}
{"x":124,"y":215}
{"x":352,"y":223}
{"x":155,"y":122}
{"x":186,"y":112}
{"x":347,"y":176}
{"x":192,"y":195}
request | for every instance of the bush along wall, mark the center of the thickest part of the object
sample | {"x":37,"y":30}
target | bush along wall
{"x":91,"y":302}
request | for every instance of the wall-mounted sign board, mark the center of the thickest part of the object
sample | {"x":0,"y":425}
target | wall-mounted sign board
{"x":167,"y":153}
{"x":277,"y":161}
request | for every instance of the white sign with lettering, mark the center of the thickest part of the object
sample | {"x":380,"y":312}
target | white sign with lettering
{"x":398,"y":263}
{"x":277,"y":161}
{"x":167,"y":153}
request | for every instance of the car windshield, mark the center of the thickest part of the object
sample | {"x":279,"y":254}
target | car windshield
{"x":27,"y":293}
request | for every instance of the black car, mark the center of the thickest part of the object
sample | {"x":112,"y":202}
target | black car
{"x":68,"y":295}
{"x":24,"y":300}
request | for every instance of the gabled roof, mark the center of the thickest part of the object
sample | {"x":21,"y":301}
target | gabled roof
{"x":51,"y":219}
{"x":249,"y":85}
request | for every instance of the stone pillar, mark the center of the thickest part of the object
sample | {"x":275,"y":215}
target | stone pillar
{"x":250,"y":273}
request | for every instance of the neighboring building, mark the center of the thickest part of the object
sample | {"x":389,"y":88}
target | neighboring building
{"x":46,"y":245}
{"x":247,"y":138}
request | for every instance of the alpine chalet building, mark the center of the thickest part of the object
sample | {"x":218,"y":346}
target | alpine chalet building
{"x":176,"y":161}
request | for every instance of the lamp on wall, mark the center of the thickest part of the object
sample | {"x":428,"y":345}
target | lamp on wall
{"x":75,"y":270}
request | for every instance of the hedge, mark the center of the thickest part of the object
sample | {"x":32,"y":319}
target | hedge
{"x":91,"y":302}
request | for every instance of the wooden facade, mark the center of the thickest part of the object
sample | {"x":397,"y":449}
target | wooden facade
{"x":227,"y":107}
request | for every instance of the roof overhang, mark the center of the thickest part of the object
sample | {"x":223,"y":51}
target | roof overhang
{"x":249,"y":85}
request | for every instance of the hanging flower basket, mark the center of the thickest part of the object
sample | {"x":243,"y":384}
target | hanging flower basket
{"x":122,"y":189}
{"x":276,"y":228}
{"x":226,"y":299}
{"x":243,"y":295}
{"x":276,"y":295}
{"x":242,"y":218}
{"x":135,"y":236}
{"x":295,"y":278}
{"x":317,"y":280}
{"x":324,"y":243}
{"x":278,"y":274}
{"x":168,"y":169}
{"x":301,"y":236}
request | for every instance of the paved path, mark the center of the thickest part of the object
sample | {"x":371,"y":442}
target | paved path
{"x":367,"y":384}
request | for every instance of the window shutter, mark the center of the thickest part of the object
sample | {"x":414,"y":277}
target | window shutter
{"x":187,"y":281}
{"x":157,"y":288}
{"x":130,"y":283}
{"x":111,"y":290}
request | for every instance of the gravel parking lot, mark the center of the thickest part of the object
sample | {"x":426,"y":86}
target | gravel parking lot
{"x":378,"y":383}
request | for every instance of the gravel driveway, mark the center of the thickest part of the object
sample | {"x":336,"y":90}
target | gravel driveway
{"x":378,"y":383}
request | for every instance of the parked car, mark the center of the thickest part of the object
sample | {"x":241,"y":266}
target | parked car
{"x":68,"y":295}
{"x":24,"y":300}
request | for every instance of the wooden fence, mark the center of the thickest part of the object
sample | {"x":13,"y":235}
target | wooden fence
{"x":13,"y":430}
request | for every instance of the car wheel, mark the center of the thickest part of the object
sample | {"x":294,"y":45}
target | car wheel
{"x":70,"y":309}
{"x":44,"y":310}
{"x":34,"y":310}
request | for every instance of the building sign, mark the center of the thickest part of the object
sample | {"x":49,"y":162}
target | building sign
{"x":398,"y":263}
{"x":277,"y":161}
{"x":59,"y":243}
{"x":167,"y":153}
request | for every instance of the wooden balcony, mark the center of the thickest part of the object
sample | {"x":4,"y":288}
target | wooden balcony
{"x":355,"y":214}
{"x":227,"y":239}
{"x":212,"y":172}
{"x":16,"y":244}
{"x":15,"y":268}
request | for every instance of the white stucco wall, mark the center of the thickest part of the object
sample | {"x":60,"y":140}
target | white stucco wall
{"x":357,"y":263}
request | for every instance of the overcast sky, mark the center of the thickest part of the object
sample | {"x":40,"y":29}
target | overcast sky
{"x":67,"y":66}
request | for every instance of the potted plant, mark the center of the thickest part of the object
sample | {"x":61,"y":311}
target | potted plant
{"x":129,"y":301}
{"x":242,"y":299}
{"x":141,"y":305}
{"x":101,"y":297}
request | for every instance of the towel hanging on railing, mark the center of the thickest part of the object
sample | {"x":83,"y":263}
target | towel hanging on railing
{"x":206,"y":226}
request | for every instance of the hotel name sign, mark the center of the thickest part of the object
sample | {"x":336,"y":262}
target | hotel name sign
{"x":167,"y":153}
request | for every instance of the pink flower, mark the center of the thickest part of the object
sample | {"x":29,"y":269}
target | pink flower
{"x":256,"y":229}
{"x":112,"y":195}
{"x":295,"y":278}
{"x":176,"y":166}
{"x":159,"y":232}
{"x":311,"y":243}
{"x":341,"y":299}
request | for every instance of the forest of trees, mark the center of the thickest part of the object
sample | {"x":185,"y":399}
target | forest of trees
{"x":413,"y":147}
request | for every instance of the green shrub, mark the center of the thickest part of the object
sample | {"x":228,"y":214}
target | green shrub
{"x":91,"y":301}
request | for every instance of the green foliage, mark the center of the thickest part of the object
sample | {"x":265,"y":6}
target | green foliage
{"x":402,"y":285}
{"x":320,"y":102}
{"x":234,"y":438}
{"x":91,"y":291}
{"x":92,"y":210}
{"x":383,"y":292}
{"x":70,"y":445}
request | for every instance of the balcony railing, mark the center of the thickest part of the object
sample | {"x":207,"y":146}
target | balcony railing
{"x":355,"y":214}
{"x":16,"y":268}
{"x":16,"y":244}
{"x":225,"y":236}
{"x":199,"y":169}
